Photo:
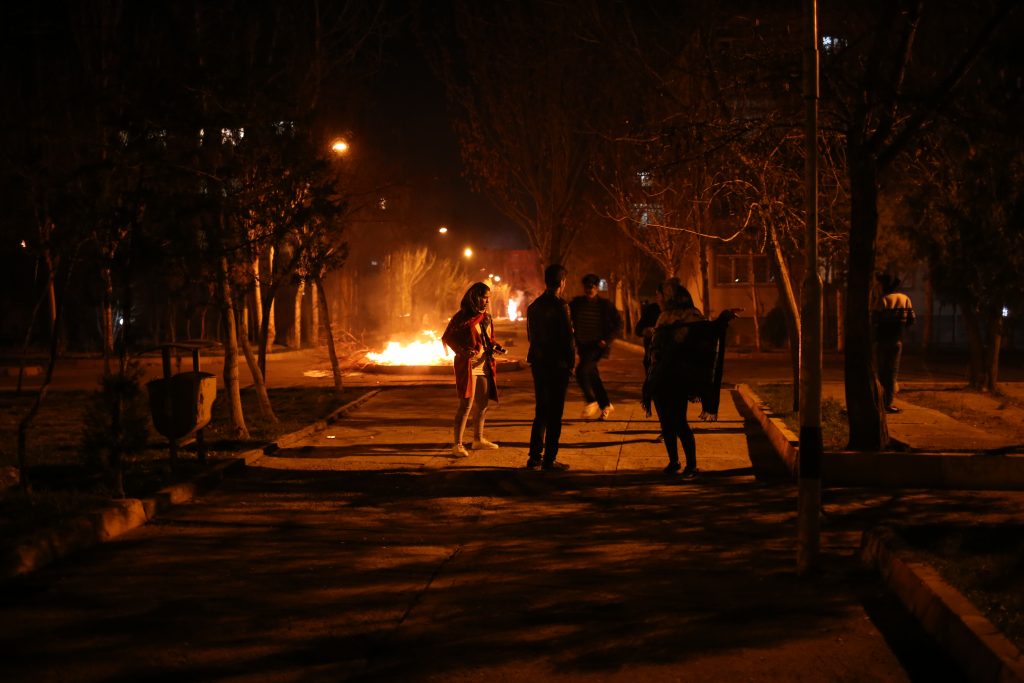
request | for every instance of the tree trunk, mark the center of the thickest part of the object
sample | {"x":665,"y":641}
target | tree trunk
{"x":257,"y":294}
{"x":705,"y":279}
{"x":929,"y":304}
{"x":232,"y":385}
{"x":995,"y":340}
{"x":26,"y":421}
{"x":840,"y":327}
{"x":297,"y":325}
{"x":868,"y":428}
{"x":790,"y":310}
{"x":329,"y":336}
{"x":754,"y":301}
{"x":107,"y":311}
{"x":314,"y":316}
{"x":978,"y":354}
{"x":262,"y":397}
{"x":269,"y":324}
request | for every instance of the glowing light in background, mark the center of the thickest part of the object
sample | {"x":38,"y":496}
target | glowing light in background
{"x":427,"y":350}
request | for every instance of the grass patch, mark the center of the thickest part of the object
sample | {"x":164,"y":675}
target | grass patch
{"x":835,"y":430}
{"x":62,"y":483}
{"x":985,"y":563}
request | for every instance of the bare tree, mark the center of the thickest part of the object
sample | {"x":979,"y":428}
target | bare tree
{"x":892,"y":67}
{"x":519,"y":80}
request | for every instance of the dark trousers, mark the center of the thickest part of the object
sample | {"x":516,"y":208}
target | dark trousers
{"x":671,"y":407}
{"x":588,"y":377}
{"x":887,"y":355}
{"x":550,"y":385}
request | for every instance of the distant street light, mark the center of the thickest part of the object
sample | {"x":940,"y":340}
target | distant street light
{"x":443,"y":230}
{"x":339,"y":146}
{"x":467,"y":252}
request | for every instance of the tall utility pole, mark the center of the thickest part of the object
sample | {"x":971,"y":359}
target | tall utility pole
{"x":810,"y":317}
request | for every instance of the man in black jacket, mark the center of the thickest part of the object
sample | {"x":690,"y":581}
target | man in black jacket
{"x":551,"y":356}
{"x":595,"y":322}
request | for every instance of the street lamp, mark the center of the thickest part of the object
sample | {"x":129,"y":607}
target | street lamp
{"x":467,"y":252}
{"x":443,"y":230}
{"x":339,"y":146}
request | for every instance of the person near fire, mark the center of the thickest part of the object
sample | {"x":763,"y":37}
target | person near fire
{"x":687,"y":356}
{"x":470,"y":335}
{"x":551,"y":358}
{"x":595,"y":322}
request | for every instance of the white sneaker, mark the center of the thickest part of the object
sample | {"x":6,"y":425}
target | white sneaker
{"x":459,"y":451}
{"x":483,"y":444}
{"x":590,"y":411}
{"x":609,"y":409}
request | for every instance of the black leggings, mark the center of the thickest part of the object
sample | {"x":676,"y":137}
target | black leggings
{"x":671,"y":408}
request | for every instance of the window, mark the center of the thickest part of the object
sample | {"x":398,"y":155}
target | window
{"x":231,"y":136}
{"x":734,"y":269}
{"x":830,"y":45}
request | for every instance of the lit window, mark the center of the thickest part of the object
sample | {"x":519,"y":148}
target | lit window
{"x":831,"y":44}
{"x":231,"y":136}
{"x":383,"y":204}
{"x":645,"y":178}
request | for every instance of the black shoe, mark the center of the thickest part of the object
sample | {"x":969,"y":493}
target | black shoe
{"x":554,"y":466}
{"x":893,"y":409}
{"x":690,"y":472}
{"x":533,"y":464}
{"x":671,"y":468}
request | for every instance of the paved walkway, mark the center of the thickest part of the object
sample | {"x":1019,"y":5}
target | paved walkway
{"x":366,"y":552}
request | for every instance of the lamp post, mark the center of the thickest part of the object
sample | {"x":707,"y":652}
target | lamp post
{"x":809,"y":504}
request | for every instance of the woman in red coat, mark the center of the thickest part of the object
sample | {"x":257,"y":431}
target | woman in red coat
{"x":470,"y":334}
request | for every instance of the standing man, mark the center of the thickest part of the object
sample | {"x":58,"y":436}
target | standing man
{"x":596,"y":322}
{"x":894,"y":315}
{"x":551,"y":356}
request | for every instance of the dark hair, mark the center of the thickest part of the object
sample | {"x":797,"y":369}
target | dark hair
{"x":554,"y":274}
{"x":888,"y":282}
{"x":472,"y":300}
{"x":677,"y":295}
{"x":590,"y":279}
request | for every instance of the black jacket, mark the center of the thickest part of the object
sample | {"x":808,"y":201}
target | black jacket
{"x":549,"y":329}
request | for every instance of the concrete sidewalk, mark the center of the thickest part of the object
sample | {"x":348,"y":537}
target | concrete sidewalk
{"x":366,"y":552}
{"x":374,"y":555}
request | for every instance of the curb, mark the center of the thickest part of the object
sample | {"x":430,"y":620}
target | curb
{"x":891,"y":469}
{"x":287,"y":440}
{"x":120,"y":516}
{"x":99,"y":526}
{"x":785,"y":442}
{"x":973,"y":641}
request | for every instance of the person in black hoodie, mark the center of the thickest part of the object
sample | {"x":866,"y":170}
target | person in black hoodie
{"x":551,"y":356}
{"x":595,"y":322}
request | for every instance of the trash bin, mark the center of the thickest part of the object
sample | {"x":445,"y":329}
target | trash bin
{"x":182,"y":403}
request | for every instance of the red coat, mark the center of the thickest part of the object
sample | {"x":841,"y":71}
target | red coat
{"x":463,"y":337}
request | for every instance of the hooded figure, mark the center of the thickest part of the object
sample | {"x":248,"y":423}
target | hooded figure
{"x":687,"y":356}
{"x":470,"y":335}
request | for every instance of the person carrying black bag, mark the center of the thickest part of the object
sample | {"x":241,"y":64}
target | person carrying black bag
{"x":687,"y":357}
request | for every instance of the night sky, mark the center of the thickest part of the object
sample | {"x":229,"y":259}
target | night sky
{"x":408,"y":120}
